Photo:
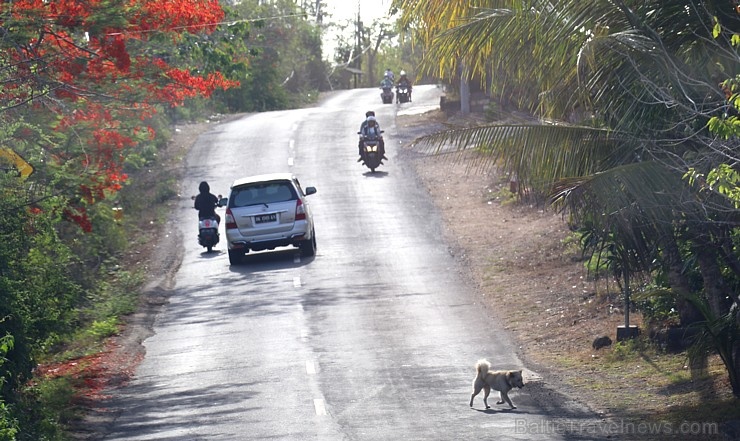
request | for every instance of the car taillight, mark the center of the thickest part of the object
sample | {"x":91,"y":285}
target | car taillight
{"x":300,"y":210}
{"x":230,"y":224}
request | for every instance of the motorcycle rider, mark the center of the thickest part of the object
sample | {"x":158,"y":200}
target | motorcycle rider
{"x":206,"y":203}
{"x":387,"y":87}
{"x":371,"y":128}
{"x":387,"y":83}
{"x":403,"y":81}
{"x":368,"y":114}
{"x":389,"y":74}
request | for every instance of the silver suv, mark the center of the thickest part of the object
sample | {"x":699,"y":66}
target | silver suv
{"x":268,"y":211}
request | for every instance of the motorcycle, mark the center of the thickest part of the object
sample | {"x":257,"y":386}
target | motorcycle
{"x":208,"y":233}
{"x":372,"y":156}
{"x":402,"y":94}
{"x":387,"y":95}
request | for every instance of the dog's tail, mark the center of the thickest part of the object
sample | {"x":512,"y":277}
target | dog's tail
{"x":482,"y":366}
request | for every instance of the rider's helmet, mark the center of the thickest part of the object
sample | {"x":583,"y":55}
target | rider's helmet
{"x":371,"y":121}
{"x":204,"y":187}
{"x":403,"y":73}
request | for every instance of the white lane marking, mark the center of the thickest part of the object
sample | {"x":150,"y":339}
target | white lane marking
{"x":291,"y":145}
{"x":310,"y":367}
{"x":319,"y":405}
{"x":296,"y":282}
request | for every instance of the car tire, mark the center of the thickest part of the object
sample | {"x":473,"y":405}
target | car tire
{"x":235,"y":257}
{"x":308,"y":247}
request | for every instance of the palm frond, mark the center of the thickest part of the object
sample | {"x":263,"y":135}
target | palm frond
{"x":646,"y":192}
{"x":629,"y":209}
{"x":539,"y":154}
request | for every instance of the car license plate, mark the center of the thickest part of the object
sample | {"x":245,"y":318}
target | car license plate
{"x":262,"y":218}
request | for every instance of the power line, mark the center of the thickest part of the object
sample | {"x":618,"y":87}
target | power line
{"x":204,"y":25}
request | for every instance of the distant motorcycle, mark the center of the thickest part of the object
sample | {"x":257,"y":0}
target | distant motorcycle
{"x":387,"y":95}
{"x":402,"y":94}
{"x":372,"y":156}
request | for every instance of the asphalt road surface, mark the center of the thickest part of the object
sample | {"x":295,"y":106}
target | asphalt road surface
{"x":374,"y":338}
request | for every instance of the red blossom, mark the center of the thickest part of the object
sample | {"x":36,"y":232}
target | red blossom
{"x":100,"y":64}
{"x":93,"y":375}
{"x":79,"y":216}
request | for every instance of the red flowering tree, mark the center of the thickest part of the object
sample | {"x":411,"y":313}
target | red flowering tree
{"x":85,"y":73}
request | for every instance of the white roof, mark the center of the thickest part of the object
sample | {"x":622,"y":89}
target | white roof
{"x":261,"y":178}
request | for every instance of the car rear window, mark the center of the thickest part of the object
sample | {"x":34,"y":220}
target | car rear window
{"x":262,"y":193}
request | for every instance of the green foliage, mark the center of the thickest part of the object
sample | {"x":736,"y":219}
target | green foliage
{"x":658,"y":307}
{"x":47,"y":410}
{"x":56,"y":394}
{"x":8,"y":422}
{"x":115,"y":297}
{"x":572,"y":244}
{"x":723,"y":179}
{"x":102,"y":329}
{"x":720,"y":333}
{"x":628,"y":349}
{"x":9,"y":425}
{"x":49,"y":272}
{"x":271,"y":49}
{"x":166,"y":190}
{"x":501,"y":196}
{"x":724,"y":127}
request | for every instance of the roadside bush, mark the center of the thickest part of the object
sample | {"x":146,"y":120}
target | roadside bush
{"x":628,"y":349}
{"x":658,"y":307}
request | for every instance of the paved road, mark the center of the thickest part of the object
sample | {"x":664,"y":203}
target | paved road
{"x":372,"y":339}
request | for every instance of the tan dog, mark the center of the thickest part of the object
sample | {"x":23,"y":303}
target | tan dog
{"x":502,"y":381}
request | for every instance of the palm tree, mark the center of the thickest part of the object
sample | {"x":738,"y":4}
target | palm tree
{"x":622,"y":92}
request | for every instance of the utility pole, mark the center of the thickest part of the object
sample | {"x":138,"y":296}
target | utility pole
{"x":358,"y":44}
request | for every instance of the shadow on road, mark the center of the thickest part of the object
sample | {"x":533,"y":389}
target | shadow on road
{"x":256,"y":262}
{"x":375,"y":174}
{"x":213,"y":254}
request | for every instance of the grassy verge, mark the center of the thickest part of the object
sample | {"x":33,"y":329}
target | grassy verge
{"x":80,"y":370}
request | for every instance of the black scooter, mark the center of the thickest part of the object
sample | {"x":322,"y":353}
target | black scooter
{"x":371,"y":156}
{"x":387,"y":95}
{"x":402,"y":94}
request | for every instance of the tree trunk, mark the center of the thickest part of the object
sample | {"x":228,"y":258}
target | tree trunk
{"x":734,"y":368}
{"x":714,"y":282}
{"x":464,"y":92}
{"x":688,"y":313}
{"x":715,"y":290}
